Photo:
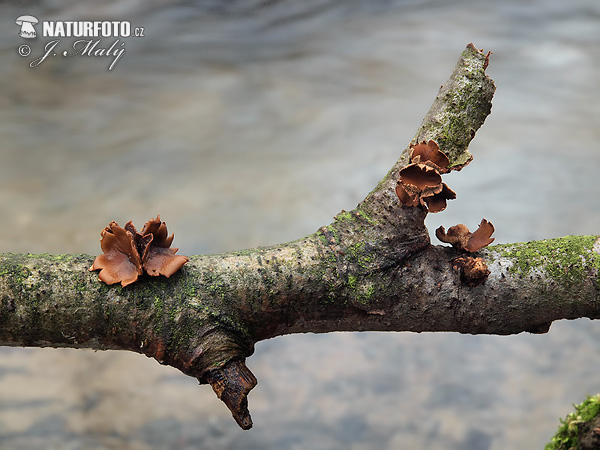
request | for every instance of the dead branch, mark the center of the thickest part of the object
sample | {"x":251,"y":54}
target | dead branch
{"x":373,"y":268}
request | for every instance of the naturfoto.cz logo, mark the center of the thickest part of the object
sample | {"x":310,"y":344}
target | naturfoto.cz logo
{"x":89,"y":35}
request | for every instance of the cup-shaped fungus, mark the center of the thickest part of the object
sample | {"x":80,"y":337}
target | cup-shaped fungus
{"x":417,"y":181}
{"x":420,"y":182}
{"x":158,"y":258}
{"x":127,"y":253}
{"x":120,"y":261}
{"x":437,"y":202}
{"x":429,"y":153}
{"x":461,"y":238}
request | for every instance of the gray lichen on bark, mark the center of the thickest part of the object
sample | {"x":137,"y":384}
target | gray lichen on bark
{"x":372,"y":268}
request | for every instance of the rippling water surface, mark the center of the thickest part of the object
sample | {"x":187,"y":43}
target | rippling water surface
{"x":249,"y":123}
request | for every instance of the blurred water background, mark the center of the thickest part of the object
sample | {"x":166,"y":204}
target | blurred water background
{"x":247,"y":123}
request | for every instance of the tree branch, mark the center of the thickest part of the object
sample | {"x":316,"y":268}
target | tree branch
{"x":373,"y":268}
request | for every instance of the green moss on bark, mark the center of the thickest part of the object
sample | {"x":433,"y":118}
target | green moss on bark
{"x":567,"y":261}
{"x":574,"y":425}
{"x":461,"y":107}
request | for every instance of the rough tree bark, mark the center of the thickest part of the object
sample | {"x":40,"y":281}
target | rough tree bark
{"x":373,"y":268}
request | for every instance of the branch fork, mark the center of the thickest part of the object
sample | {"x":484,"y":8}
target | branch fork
{"x":381,"y":234}
{"x":372,"y":268}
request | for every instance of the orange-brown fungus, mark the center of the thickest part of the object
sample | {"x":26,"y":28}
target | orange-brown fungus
{"x":120,"y":261}
{"x":437,"y":202}
{"x":407,"y":196}
{"x":421,"y":176}
{"x":420,"y":182}
{"x":416,"y":182}
{"x":460,"y":237}
{"x":481,"y":237}
{"x":473,"y":271}
{"x":430,"y":153}
{"x":128,"y":253}
{"x":160,"y":258}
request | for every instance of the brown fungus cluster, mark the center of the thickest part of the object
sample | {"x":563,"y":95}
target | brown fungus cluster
{"x":473,"y":271}
{"x":461,"y":238}
{"x":420,"y":182}
{"x":128,"y":253}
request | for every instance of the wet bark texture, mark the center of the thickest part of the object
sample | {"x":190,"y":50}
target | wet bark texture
{"x":373,"y":268}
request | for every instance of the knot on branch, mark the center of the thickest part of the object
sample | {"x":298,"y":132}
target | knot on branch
{"x":211,"y":353}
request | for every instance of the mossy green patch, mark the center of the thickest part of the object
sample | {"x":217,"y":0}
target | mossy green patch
{"x":333,"y":231}
{"x":351,"y":216}
{"x":17,"y":273}
{"x":352,"y":282}
{"x":21,"y":279}
{"x":215,"y":285}
{"x":363,"y":215}
{"x":67,"y":258}
{"x":365,"y":293}
{"x":344,"y":216}
{"x":322,"y":238}
{"x":566,"y":260}
{"x":358,"y":254}
{"x":567,"y":436}
{"x":159,"y":305}
{"x":464,"y":108}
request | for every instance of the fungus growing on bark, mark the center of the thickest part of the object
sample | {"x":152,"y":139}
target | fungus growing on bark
{"x":421,"y":185}
{"x":424,"y":178}
{"x":420,"y":182}
{"x":417,"y":181}
{"x":158,"y":258}
{"x":437,"y":202}
{"x":120,"y":261}
{"x":127,"y":253}
{"x":473,"y":271}
{"x":461,"y":238}
{"x":429,"y":153}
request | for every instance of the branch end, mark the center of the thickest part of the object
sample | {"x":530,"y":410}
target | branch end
{"x":231,"y":383}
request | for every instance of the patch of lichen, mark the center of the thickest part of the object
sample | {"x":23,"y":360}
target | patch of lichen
{"x":567,"y":260}
{"x":23,"y":286}
{"x":345,"y":224}
{"x":362,"y":285}
{"x":567,"y":436}
{"x":27,"y":284}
